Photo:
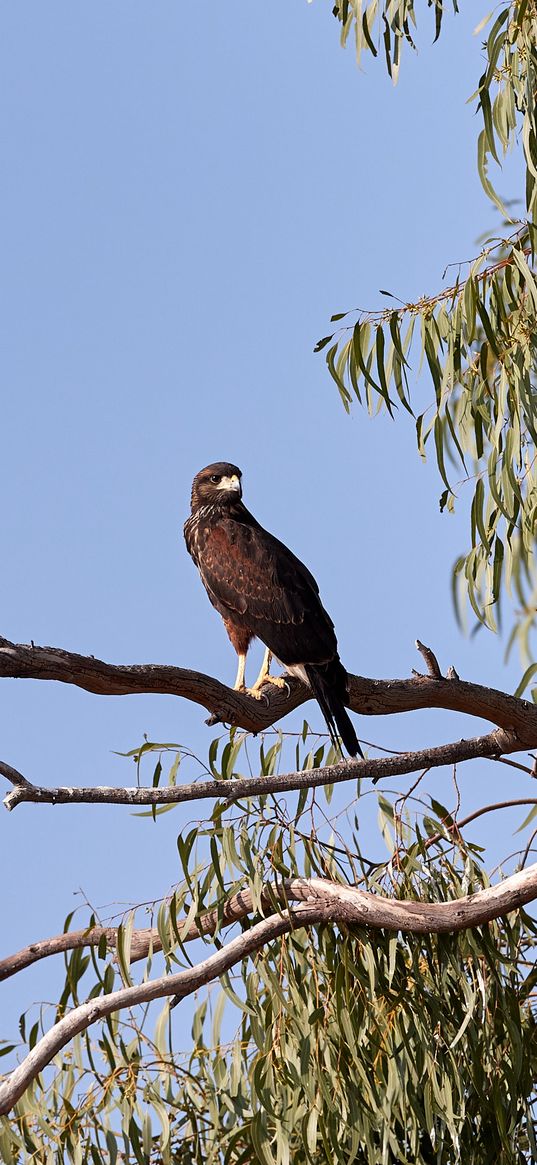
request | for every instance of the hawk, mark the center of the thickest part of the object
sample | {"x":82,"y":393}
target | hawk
{"x":263,"y":591}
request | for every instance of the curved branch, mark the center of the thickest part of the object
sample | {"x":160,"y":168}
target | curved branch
{"x":367,"y":696}
{"x":491,"y":746}
{"x":142,"y":940}
{"x":146,"y":939}
{"x":322,"y":902}
{"x":70,"y":940}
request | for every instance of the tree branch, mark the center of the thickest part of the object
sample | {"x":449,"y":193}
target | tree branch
{"x":147,"y":939}
{"x":321,"y":902}
{"x":367,"y":696}
{"x":142,"y":940}
{"x":493,"y":745}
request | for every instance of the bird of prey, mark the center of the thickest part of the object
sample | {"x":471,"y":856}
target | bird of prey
{"x":263,"y":591}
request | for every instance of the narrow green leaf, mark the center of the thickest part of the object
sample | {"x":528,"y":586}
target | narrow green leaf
{"x":528,"y":675}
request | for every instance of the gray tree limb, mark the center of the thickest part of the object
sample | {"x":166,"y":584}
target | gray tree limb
{"x":493,"y":745}
{"x":368,"y":697}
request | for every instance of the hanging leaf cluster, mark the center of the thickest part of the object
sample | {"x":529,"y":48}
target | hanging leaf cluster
{"x":476,"y":343}
{"x":462,"y":362}
{"x":506,"y":98}
{"x":384,"y":28}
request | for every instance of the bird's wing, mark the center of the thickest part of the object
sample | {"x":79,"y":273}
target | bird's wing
{"x":253,"y":575}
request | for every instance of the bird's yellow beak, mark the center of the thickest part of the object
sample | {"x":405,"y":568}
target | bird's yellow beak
{"x":231,"y":484}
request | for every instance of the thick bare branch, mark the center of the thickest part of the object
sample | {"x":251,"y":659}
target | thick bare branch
{"x":323,"y":902}
{"x":73,"y":939}
{"x":141,"y":941}
{"x":493,"y":745}
{"x":367,"y":696}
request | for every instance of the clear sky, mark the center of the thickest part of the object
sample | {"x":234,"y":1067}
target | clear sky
{"x":189,"y":191}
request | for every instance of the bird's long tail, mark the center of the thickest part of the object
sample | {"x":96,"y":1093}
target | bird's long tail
{"x":329,"y":684}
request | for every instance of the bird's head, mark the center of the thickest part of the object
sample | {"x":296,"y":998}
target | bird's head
{"x":218,"y":482}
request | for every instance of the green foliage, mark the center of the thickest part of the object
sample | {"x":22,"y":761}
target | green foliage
{"x":330,"y":1044}
{"x":506,"y":96}
{"x":474,"y":342}
{"x":375,"y":1052}
{"x":384,"y":27}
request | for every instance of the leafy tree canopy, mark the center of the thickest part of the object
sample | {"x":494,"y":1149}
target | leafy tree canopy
{"x":473,"y":341}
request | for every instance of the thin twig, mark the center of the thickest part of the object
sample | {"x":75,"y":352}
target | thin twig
{"x":514,"y":764}
{"x":494,"y":743}
{"x":456,"y":826}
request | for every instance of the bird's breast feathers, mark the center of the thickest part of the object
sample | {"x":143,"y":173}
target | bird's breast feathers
{"x":249,"y":573}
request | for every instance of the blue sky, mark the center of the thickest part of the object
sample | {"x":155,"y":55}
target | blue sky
{"x":188,"y":193}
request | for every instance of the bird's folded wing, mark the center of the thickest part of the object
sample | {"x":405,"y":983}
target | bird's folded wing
{"x":250,"y":573}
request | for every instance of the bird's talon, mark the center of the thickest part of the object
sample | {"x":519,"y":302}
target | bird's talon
{"x":257,"y":694}
{"x":276,"y":681}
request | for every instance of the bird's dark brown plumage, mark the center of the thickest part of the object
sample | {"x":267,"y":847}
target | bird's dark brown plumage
{"x":262,"y":590}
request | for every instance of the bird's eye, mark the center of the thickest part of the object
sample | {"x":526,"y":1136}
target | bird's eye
{"x":215,"y":478}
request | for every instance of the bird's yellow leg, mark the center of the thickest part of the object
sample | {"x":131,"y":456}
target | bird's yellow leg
{"x":265,"y":677}
{"x":239,"y":685}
